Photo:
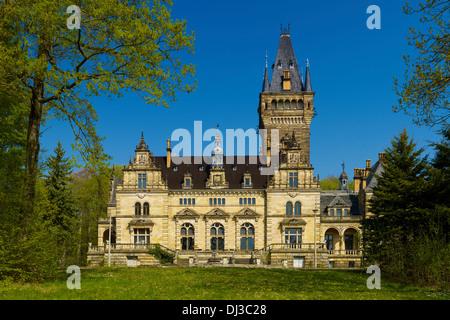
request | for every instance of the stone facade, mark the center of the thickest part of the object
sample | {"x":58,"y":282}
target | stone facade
{"x":215,"y":213}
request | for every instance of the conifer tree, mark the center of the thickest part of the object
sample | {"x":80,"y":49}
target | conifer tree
{"x":61,"y":209}
{"x":396,"y":204}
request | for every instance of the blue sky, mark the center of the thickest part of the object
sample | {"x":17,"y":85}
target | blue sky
{"x":352,"y":70}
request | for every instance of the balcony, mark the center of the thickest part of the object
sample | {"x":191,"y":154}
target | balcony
{"x":340,"y":218}
{"x":127,"y":247}
{"x":341,"y":253}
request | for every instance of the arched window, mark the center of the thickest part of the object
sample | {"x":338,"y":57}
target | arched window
{"x":298,"y":209}
{"x":146,"y":209}
{"x":137,"y":209}
{"x":287,"y":104}
{"x":289,"y":208}
{"x":217,"y":237}
{"x":187,"y":236}
{"x":247,"y":237}
{"x":300,"y":105}
{"x":273,"y":104}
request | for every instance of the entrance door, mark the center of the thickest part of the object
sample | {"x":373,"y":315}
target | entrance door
{"x":299,"y":262}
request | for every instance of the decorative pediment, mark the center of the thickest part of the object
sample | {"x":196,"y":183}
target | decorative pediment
{"x":187,"y":212}
{"x":247,"y":212}
{"x":141,"y":222}
{"x":293,"y":221}
{"x":141,"y":195}
{"x":216,"y":212}
{"x":338,"y":202}
{"x":292,"y":194}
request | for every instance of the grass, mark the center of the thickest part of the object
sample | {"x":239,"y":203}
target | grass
{"x":175,"y":283}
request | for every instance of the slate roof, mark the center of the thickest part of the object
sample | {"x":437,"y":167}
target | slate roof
{"x":372,"y":180}
{"x":199,"y":178}
{"x":329,"y":198}
{"x":285,"y":56}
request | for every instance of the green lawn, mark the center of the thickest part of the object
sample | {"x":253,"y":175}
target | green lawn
{"x":173,"y":283}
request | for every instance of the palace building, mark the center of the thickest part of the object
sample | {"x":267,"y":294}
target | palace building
{"x":210,"y":212}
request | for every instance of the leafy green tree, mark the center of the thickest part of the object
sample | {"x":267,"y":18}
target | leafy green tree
{"x":425,"y":93}
{"x":332,"y":183}
{"x":121,"y":46}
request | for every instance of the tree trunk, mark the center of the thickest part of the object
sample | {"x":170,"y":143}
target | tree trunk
{"x":33,"y":146}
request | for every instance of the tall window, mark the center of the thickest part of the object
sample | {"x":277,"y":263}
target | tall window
{"x":348,"y":242}
{"x":329,"y":241}
{"x":247,"y":237}
{"x":146,"y":209}
{"x":142,"y":236}
{"x":217,"y":237}
{"x":142,"y":180}
{"x":187,"y":236}
{"x":293,"y":236}
{"x":298,"y":209}
{"x":137,"y":209}
{"x":293,"y":179}
{"x":289,"y":208}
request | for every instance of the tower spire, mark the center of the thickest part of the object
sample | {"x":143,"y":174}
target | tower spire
{"x":266,"y":84}
{"x":307,"y":78}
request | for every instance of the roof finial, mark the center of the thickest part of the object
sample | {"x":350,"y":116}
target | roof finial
{"x":266,"y":58}
{"x":307,"y":62}
{"x":343,"y":166}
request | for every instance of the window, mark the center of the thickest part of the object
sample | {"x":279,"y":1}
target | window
{"x":187,"y":182}
{"x":234,"y":167}
{"x":247,"y":237}
{"x":345,"y":212}
{"x":146,"y":209}
{"x":142,"y":236}
{"x":175,"y":168}
{"x":253,"y":200}
{"x":247,"y":182}
{"x":293,"y":236}
{"x":217,"y":201}
{"x":293,"y":179}
{"x":137,"y":209}
{"x":331,"y":212}
{"x":298,"y":209}
{"x":142,"y":180}
{"x":338,"y":212}
{"x":200,"y":168}
{"x":217,"y":237}
{"x":187,"y":201}
{"x":241,"y":201}
{"x":348,"y":242}
{"x":329,"y":241}
{"x":289,"y":208}
{"x":351,"y":264}
{"x":187,"y":236}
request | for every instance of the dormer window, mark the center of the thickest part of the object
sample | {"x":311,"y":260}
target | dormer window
{"x":291,"y":65}
{"x":187,"y":182}
{"x":234,"y":167}
{"x":175,"y":168}
{"x":247,"y":180}
{"x":279,"y":64}
{"x":200,"y":168}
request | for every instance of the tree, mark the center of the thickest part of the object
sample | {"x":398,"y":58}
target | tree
{"x":425,"y":93}
{"x":396,"y":204}
{"x":121,"y":46}
{"x":60,"y":206}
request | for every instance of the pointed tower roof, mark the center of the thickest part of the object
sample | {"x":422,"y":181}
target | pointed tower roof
{"x":307,"y":78}
{"x":285,"y":61}
{"x":266,"y":84}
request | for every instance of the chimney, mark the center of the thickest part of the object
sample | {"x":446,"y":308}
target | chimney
{"x":357,"y":179}
{"x":169,"y":153}
{"x":368,"y":164}
{"x":381,"y":156}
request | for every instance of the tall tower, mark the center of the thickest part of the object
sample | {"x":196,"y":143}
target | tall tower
{"x":286,"y":103}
